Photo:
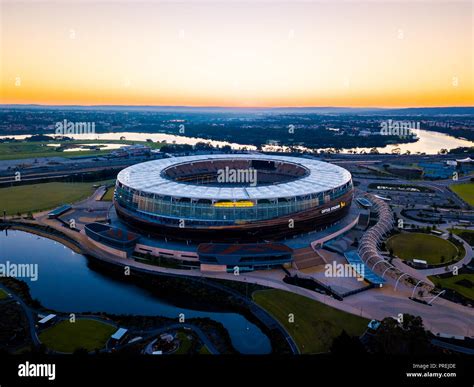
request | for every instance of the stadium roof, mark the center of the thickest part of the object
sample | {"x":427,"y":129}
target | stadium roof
{"x":148,"y":177}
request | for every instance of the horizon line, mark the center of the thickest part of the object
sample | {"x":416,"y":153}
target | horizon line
{"x":241,"y":107}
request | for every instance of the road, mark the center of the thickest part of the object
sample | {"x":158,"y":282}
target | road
{"x":442,"y":270}
{"x":205,"y":340}
{"x":449,"y":318}
{"x":29,"y":313}
{"x":443,"y":317}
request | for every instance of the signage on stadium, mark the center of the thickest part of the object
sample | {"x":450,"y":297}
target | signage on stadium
{"x":243,"y":203}
{"x":333,"y":208}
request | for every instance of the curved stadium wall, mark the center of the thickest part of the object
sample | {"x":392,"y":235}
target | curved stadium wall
{"x":179,"y":197}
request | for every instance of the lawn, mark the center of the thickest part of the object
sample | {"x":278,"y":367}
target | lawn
{"x":67,"y":337}
{"x":184,"y":345}
{"x":24,"y":150}
{"x":315,"y":324}
{"x":38,"y":197}
{"x":37,"y":149}
{"x":464,"y":191}
{"x":3,"y":294}
{"x":467,"y":235}
{"x":461,"y":283}
{"x":204,"y":350}
{"x":109,"y":195}
{"x":427,"y":247}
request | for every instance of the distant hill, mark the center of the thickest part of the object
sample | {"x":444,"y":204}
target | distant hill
{"x":198,"y":109}
{"x":432,"y":111}
{"x":280,"y":110}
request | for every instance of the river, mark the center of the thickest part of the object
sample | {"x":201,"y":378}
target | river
{"x":67,"y":283}
{"x":429,"y":142}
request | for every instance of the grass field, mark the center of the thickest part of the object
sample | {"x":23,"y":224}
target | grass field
{"x":464,"y":191}
{"x":467,"y":235}
{"x":38,"y":197}
{"x":3,"y":294}
{"x":109,"y":195}
{"x":204,"y":350}
{"x":427,"y":247}
{"x":67,"y":337}
{"x":24,"y":150}
{"x":315,"y":324}
{"x":461,"y":283}
{"x":33,"y":149}
{"x":185,"y":344}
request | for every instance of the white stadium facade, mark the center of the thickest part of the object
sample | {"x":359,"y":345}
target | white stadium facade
{"x":232,"y":197}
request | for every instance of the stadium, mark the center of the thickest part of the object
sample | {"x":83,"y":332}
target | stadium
{"x":244,"y":198}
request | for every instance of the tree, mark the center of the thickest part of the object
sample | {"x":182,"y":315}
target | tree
{"x":406,"y":337}
{"x":347,"y":345}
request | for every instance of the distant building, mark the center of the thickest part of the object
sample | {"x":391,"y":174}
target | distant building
{"x":437,"y":170}
{"x":47,"y":320}
{"x":273,"y":142}
{"x":373,"y":325}
{"x":405,"y":171}
{"x":420,"y":263}
{"x":112,"y":239}
{"x":364,"y":203}
{"x":119,"y":335}
{"x":364,"y":219}
{"x":248,"y":257}
{"x":132,"y":151}
{"x":57,"y":212}
{"x":167,"y":337}
{"x":465,"y":165}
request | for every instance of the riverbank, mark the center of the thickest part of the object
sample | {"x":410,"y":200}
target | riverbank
{"x":71,"y":339}
{"x":375,"y":304}
{"x":36,"y":230}
{"x":428,"y":142}
{"x":193,"y":297}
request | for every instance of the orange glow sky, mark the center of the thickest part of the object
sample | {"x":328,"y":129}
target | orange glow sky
{"x":238,"y":54}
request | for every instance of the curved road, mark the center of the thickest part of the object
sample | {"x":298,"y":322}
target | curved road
{"x":30,"y":311}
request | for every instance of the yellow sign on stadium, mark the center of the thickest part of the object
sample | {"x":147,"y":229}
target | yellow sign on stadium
{"x":240,"y":204}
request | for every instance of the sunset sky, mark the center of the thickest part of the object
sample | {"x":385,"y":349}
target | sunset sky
{"x":329,"y":53}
